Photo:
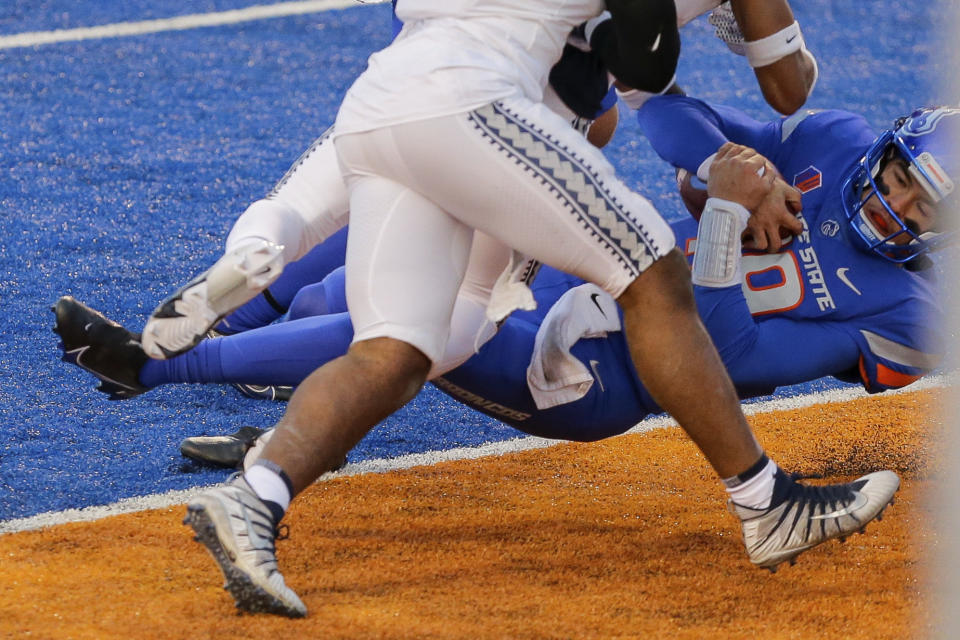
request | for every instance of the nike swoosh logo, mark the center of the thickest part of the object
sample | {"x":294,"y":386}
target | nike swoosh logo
{"x":656,"y":43}
{"x":859,"y":502}
{"x":596,"y":373}
{"x":257,"y":388}
{"x":77,"y":359}
{"x":842,"y":274}
{"x":791,"y":39}
{"x":593,"y":297}
{"x":256,"y":540}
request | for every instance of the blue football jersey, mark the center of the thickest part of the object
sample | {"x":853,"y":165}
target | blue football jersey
{"x":819,"y":307}
{"x":821,"y":295}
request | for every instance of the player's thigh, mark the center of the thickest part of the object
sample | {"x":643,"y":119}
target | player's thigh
{"x":488,"y":258}
{"x":405,"y":260}
{"x":518,"y":172}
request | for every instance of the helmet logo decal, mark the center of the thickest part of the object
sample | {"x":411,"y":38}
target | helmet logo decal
{"x":925,"y":122}
{"x":808,"y":179}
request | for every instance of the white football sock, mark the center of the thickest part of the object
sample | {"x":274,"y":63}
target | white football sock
{"x":757,"y":491}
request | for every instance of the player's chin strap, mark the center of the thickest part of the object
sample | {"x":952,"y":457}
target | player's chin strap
{"x":716,"y":261}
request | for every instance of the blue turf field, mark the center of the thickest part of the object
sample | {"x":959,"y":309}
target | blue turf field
{"x":126,"y":159}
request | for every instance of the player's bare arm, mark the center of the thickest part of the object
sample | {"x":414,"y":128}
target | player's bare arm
{"x":769,"y":30}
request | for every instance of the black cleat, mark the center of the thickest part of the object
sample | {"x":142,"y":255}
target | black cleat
{"x":221,"y":451}
{"x":100,"y":346}
{"x":276,"y":393}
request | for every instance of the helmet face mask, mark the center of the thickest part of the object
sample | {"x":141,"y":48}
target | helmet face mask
{"x":922,"y":141}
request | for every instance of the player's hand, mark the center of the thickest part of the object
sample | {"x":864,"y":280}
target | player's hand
{"x":742,"y":175}
{"x":775,"y":219}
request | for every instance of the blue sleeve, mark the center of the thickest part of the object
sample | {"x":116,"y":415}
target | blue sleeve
{"x":397,"y":24}
{"x":761,"y":356}
{"x":902,"y":344}
{"x":685,"y":131}
{"x":901,"y":334}
{"x":887,"y":363}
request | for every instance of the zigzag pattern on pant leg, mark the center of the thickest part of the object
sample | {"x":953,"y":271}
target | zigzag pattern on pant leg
{"x":573,"y":181}
{"x":303,"y":158}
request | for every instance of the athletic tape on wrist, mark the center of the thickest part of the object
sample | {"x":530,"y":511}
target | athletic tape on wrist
{"x":768,"y":50}
{"x":716,"y":262}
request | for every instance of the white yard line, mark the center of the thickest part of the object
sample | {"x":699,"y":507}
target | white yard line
{"x":173,"y":498}
{"x":179,"y":23}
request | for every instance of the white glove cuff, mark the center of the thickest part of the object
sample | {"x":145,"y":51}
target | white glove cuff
{"x":716,"y":261}
{"x":634,"y":98}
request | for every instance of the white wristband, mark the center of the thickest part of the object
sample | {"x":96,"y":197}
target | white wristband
{"x":716,"y":261}
{"x":768,"y":50}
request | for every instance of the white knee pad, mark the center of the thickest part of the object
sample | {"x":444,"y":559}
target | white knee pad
{"x":278,"y":223}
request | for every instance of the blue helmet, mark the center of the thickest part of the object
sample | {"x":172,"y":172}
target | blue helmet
{"x":927,"y":140}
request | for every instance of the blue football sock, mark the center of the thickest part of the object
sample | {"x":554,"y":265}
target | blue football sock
{"x":280,"y":354}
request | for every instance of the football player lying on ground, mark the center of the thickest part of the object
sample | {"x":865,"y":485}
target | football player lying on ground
{"x":850,"y":297}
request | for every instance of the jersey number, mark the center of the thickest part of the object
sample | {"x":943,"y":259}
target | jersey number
{"x":772,"y":282}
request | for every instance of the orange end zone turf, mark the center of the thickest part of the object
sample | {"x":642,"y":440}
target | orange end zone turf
{"x":625,"y":538}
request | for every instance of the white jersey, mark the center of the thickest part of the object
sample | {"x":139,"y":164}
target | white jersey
{"x":453,"y":56}
{"x":687,"y":10}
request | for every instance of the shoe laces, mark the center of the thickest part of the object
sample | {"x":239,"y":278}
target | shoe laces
{"x":833,"y":493}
